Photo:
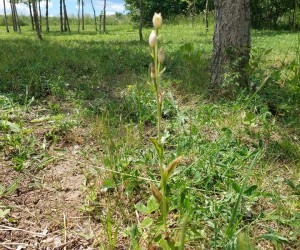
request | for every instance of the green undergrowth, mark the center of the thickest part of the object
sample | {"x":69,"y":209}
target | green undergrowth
{"x":238,"y":184}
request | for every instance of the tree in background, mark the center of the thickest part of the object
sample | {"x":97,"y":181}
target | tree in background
{"x":36,"y":20}
{"x":47,"y":16}
{"x":82,"y":13}
{"x":66,"y":19}
{"x":104,"y":16}
{"x":40,"y":15}
{"x":15,"y":17}
{"x":30,"y":12}
{"x":295,"y":10}
{"x":192,"y":9}
{"x":231,"y":41}
{"x":168,"y":8}
{"x":61,"y":25}
{"x":5,"y":17}
{"x":63,"y":17}
{"x":95,"y":18}
{"x":141,"y":20}
{"x":265,"y":13}
{"x":206,"y":16}
{"x":78,"y":14}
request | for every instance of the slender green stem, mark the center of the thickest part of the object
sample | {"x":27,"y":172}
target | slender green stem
{"x":159,"y":114}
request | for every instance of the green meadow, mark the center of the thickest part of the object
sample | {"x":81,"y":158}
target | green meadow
{"x":77,"y":114}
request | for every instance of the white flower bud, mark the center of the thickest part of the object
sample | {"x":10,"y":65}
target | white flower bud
{"x":152,"y":39}
{"x":157,"y":20}
{"x":161,"y":55}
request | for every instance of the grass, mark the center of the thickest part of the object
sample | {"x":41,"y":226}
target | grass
{"x":77,"y":115}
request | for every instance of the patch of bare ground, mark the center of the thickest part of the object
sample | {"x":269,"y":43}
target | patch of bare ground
{"x":45,"y":198}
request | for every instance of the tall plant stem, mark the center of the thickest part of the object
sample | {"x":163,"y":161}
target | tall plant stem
{"x":163,"y":181}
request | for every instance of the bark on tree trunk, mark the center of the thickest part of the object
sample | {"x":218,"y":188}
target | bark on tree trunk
{"x":64,"y":19}
{"x":104,"y":17}
{"x":5,"y":17}
{"x":31,"y":16}
{"x":78,"y":15}
{"x":61,"y":16}
{"x":47,"y":16}
{"x":67,"y":25}
{"x":295,"y":14}
{"x":36,"y":20}
{"x":40,"y":15}
{"x":82,"y":13}
{"x":231,"y":41}
{"x":13,"y":15}
{"x":141,"y":20}
{"x":16,"y":18}
{"x":206,"y":16}
{"x":95,"y":18}
{"x":193,"y":12}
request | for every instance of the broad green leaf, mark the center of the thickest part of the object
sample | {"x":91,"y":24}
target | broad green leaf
{"x":249,"y":119}
{"x":141,"y":208}
{"x":147,"y":222}
{"x":152,"y":206}
{"x":108,"y":184}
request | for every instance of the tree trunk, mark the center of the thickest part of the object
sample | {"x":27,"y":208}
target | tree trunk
{"x":13,"y":16}
{"x":40,"y":15}
{"x":5,"y":17}
{"x":47,"y":16}
{"x":206,"y":16}
{"x":193,"y":12}
{"x":95,"y":18}
{"x":141,"y":20}
{"x":104,"y":17}
{"x":61,"y":15}
{"x":78,"y":15}
{"x":16,"y":18}
{"x":231,"y":41}
{"x":64,"y":16}
{"x":36,"y":20}
{"x":82,"y":13}
{"x":66,"y":21}
{"x":295,"y":14}
{"x":31,"y":16}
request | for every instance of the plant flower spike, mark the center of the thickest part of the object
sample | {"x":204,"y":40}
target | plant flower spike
{"x":157,"y":21}
{"x":166,"y":171}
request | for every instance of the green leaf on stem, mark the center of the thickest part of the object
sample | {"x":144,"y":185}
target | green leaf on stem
{"x":158,"y":147}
